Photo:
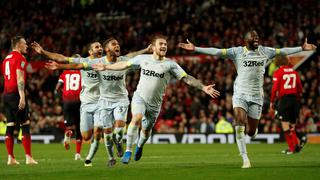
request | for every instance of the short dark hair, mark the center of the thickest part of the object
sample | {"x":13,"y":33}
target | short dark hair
{"x":106,"y":42}
{"x":158,"y":36}
{"x":91,"y":42}
{"x":249,"y":34}
{"x":15,"y":40}
{"x":281,"y":60}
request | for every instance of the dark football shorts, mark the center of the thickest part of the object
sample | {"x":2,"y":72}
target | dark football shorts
{"x":71,"y":112}
{"x":288,"y":108}
{"x":11,"y":109}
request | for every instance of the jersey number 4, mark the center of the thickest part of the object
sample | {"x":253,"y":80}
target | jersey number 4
{"x":290,"y":81}
{"x":72,"y":82}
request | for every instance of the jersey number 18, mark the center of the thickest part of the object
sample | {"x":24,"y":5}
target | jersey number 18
{"x":72,"y":82}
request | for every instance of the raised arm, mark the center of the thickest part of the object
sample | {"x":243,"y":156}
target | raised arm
{"x":21,"y":87}
{"x":191,"y":81}
{"x":305,"y":47}
{"x":55,"y":56}
{"x":115,"y":67}
{"x":146,"y":50}
{"x":210,"y":51}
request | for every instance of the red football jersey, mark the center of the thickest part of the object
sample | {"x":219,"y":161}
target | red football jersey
{"x":285,"y":81}
{"x":71,"y":80}
{"x":10,"y":65}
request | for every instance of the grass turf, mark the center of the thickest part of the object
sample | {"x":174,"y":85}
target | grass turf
{"x":163,"y":161}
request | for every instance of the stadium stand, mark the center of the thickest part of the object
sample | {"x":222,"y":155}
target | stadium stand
{"x":66,"y":27}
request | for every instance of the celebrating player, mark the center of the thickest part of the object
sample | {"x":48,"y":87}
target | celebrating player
{"x":287,"y":89}
{"x":71,"y":82}
{"x":16,"y":109}
{"x":250,"y":61}
{"x":113,"y":103}
{"x":90,"y":124}
{"x":156,"y":73}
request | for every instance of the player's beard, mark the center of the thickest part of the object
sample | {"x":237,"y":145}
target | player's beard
{"x":162,"y":52}
{"x":114,"y":53}
{"x":98,"y":54}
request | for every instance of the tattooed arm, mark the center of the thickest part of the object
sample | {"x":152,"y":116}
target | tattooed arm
{"x":21,"y":87}
{"x":191,"y":81}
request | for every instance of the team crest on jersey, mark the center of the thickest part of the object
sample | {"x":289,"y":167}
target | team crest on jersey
{"x":22,"y":64}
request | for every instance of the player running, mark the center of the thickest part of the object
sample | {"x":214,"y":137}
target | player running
{"x":90,"y":124}
{"x":156,"y":73}
{"x":15,"y":106}
{"x":250,"y":61}
{"x":71,"y":82}
{"x":287,"y":89}
{"x":113,"y":103}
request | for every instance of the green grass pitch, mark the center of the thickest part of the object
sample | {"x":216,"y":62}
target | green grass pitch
{"x":165,"y":161}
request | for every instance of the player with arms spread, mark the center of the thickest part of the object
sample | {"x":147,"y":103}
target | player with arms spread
{"x":287,"y":89}
{"x":156,"y":73}
{"x":113,"y":103}
{"x":250,"y":61}
{"x":15,"y":107}
{"x":90,"y":124}
{"x":71,"y":82}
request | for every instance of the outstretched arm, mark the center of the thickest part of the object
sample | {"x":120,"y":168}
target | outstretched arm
{"x":116,"y":66}
{"x":55,"y":56}
{"x":190,"y":80}
{"x":52,"y":65}
{"x":210,"y":51}
{"x":136,"y":53}
{"x":305,"y":47}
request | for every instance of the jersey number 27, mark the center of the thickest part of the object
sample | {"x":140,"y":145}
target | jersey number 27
{"x":290,"y":81}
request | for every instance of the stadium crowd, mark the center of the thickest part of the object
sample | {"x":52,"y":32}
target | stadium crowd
{"x":68,"y":26}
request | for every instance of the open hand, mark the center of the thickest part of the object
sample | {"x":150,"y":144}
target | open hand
{"x":187,"y":46}
{"x":308,"y":47}
{"x":52,"y":65}
{"x":36,"y":47}
{"x":211,"y":91}
{"x":149,"y":48}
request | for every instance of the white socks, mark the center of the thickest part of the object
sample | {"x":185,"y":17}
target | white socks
{"x":240,"y":138}
{"x":93,"y":149}
{"x":118,"y":131}
{"x":143,"y":139}
{"x":132,"y":134}
{"x":109,"y":144}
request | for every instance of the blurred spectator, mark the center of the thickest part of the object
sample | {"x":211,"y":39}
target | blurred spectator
{"x":62,"y":27}
{"x":223,"y":126}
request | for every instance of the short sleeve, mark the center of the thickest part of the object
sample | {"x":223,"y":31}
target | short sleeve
{"x":22,"y":63}
{"x":61,"y":78}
